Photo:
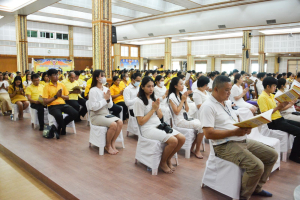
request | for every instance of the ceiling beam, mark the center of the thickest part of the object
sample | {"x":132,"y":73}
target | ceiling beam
{"x":133,"y":6}
{"x":184,"y":3}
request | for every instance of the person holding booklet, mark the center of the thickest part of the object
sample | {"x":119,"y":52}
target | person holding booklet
{"x":230,"y":142}
{"x":266,"y":102}
{"x":33,"y":93}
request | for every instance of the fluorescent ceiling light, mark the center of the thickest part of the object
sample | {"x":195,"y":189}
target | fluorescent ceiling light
{"x":206,"y":37}
{"x":12,"y":5}
{"x":202,"y":56}
{"x":230,"y":54}
{"x":150,"y":42}
{"x":280,"y":31}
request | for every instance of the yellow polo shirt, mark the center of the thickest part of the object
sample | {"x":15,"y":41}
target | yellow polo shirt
{"x":82,"y":77}
{"x":50,"y":91}
{"x":23,"y":78}
{"x":267,"y":102}
{"x":80,"y":82}
{"x":114,"y":90}
{"x":69,"y":86}
{"x":124,"y":85}
{"x":166,"y":80}
{"x":161,"y":69}
{"x":89,"y":82}
{"x":43,"y":83}
{"x":35,"y":91}
{"x":87,"y":90}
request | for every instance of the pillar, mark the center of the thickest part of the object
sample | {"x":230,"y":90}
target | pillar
{"x":246,"y":51}
{"x":213,"y":59}
{"x":141,"y":67}
{"x":276,"y":68}
{"x":190,"y":58}
{"x":168,"y":53}
{"x":102,"y":35}
{"x":71,"y":45}
{"x":117,"y":55}
{"x":261,"y":53}
{"x":21,"y":42}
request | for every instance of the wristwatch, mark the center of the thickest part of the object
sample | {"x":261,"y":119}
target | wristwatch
{"x":55,"y":96}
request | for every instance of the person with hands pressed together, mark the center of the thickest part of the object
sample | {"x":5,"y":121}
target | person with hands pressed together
{"x":5,"y":101}
{"x":230,"y":143}
{"x":99,"y":102}
{"x":266,"y":102}
{"x":146,"y":109}
{"x":54,"y":95}
{"x":33,"y":92}
{"x":131,"y":92}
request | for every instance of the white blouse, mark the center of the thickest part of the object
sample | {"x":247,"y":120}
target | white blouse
{"x":200,"y":97}
{"x":176,"y":101}
{"x":25,"y":84}
{"x":159,"y":93}
{"x":6,"y":85}
{"x":96,"y":100}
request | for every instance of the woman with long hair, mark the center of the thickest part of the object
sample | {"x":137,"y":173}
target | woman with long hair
{"x":146,"y":109}
{"x":238,"y":93}
{"x":28,"y":81}
{"x":5,"y":76}
{"x":45,"y":79}
{"x":99,"y":102}
{"x":161,"y":93}
{"x":125,"y":80}
{"x":5,"y":102}
{"x":180,"y":108}
{"x":17,"y":95}
{"x":117,"y":95}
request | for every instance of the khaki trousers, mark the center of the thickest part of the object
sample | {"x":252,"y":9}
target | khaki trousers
{"x":257,"y":159}
{"x":5,"y":102}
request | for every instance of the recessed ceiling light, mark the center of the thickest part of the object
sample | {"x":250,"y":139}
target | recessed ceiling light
{"x":206,"y":37}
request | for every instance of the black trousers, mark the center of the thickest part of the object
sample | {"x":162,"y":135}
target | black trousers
{"x":76,"y":105}
{"x":40,"y":110}
{"x":291,"y":127}
{"x":57,"y":110}
{"x":115,"y":109}
{"x":125,"y":110}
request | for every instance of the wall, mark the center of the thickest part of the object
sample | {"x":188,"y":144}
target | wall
{"x":8,"y":63}
{"x":81,"y":63}
{"x":152,"y":63}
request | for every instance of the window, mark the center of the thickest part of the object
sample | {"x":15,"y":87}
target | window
{"x":176,"y":65}
{"x":255,"y":66}
{"x":59,"y":36}
{"x":65,"y":37}
{"x":134,"y":51}
{"x":62,"y":36}
{"x":201,"y":66}
{"x":227,"y":65}
{"x":46,"y":35}
{"x":124,"y":51}
{"x":32,"y":33}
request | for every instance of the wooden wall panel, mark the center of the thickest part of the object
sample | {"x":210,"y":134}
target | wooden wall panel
{"x":8,"y":63}
{"x":81,"y":63}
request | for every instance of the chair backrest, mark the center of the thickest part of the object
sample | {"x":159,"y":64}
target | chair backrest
{"x":255,"y":90}
{"x":212,"y":151}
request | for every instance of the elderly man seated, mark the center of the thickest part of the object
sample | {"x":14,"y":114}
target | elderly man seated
{"x":230,"y":143}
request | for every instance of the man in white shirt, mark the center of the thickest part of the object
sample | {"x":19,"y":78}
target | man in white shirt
{"x":253,"y":78}
{"x":230,"y":143}
{"x":130,"y":92}
{"x":194,"y":86}
{"x":259,"y":86}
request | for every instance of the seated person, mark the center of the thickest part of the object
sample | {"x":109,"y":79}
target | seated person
{"x":117,"y":95}
{"x":17,"y":95}
{"x":99,"y":102}
{"x":146,"y":109}
{"x":28,"y":81}
{"x":130,"y":93}
{"x":75,"y":99}
{"x":5,"y":102}
{"x":266,"y":102}
{"x":259,"y":85}
{"x":54,"y":95}
{"x":180,"y":107}
{"x":45,"y":79}
{"x":192,"y":106}
{"x":212,"y":77}
{"x":168,"y":79}
{"x":200,"y":95}
{"x":230,"y":142}
{"x":198,"y":75}
{"x":237,"y":94}
{"x":161,"y":93}
{"x":125,"y":80}
{"x":296,"y":81}
{"x":33,"y":92}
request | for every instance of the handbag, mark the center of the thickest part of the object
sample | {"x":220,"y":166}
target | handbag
{"x":185,"y":116}
{"x":50,"y":131}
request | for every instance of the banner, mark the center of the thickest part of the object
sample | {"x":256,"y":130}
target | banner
{"x":43,"y":65}
{"x":129,"y":63}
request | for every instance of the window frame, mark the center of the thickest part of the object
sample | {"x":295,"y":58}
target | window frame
{"x":204,"y":72}
{"x":222,"y":70}
{"x":37,"y":32}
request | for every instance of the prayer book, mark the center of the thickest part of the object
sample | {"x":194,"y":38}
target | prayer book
{"x":296,"y":88}
{"x":41,"y":100}
{"x":256,"y":121}
{"x":288,"y":96}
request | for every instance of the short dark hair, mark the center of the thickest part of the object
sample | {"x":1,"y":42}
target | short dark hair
{"x":220,"y":80}
{"x":269,"y":81}
{"x":235,"y":71}
{"x":279,"y":76}
{"x":298,"y":75}
{"x":223,"y":73}
{"x":237,"y":77}
{"x":281,"y":82}
{"x":135,"y":75}
{"x":212,"y":74}
{"x":77,"y":73}
{"x":283,"y":74}
{"x":34,"y":76}
{"x":52,"y":71}
{"x":289,"y":74}
{"x":181,"y":76}
{"x":243,"y":72}
{"x":261,"y":75}
{"x":203,"y":80}
{"x":254,"y":72}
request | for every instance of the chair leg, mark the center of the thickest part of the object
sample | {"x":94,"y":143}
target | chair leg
{"x":74,"y":127}
{"x":187,"y":153}
{"x":101,"y":151}
{"x":284,"y":156}
{"x":203,"y":144}
{"x":154,"y":172}
{"x":136,"y":161}
{"x":176,"y":160}
{"x":127,"y":133}
{"x":123,"y":143}
{"x":90,"y":144}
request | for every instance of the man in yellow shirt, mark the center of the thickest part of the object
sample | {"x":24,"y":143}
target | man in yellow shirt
{"x":266,"y":102}
{"x":75,"y":99}
{"x":54,"y":96}
{"x":24,"y":77}
{"x":33,"y":92}
{"x":161,"y":68}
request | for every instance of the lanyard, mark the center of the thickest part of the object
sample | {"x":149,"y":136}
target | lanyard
{"x":227,"y":111}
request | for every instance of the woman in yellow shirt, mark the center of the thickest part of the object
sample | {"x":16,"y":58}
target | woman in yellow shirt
{"x":117,"y":95}
{"x":45,"y":79}
{"x":125,"y":80}
{"x":17,"y":95}
{"x":168,"y":79}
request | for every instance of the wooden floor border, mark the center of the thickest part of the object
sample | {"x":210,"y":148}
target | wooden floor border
{"x":38,"y":175}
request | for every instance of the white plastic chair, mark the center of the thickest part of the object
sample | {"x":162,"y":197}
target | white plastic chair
{"x":149,"y":152}
{"x":34,"y":117}
{"x":52,"y":121}
{"x":16,"y":111}
{"x":244,"y":114}
{"x":222,"y":175}
{"x":133,"y":126}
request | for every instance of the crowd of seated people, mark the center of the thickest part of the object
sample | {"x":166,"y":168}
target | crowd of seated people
{"x":156,"y":96}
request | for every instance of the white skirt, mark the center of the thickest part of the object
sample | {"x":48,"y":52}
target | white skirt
{"x":157,"y":134}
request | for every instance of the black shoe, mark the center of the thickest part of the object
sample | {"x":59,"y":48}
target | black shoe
{"x":63,"y":131}
{"x":294,"y":158}
{"x":263,"y":193}
{"x":41,"y":129}
{"x":56,"y":134}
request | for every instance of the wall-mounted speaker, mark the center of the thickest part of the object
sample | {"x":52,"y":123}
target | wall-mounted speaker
{"x":247,"y":54}
{"x":114,"y":35}
{"x":278,"y":60}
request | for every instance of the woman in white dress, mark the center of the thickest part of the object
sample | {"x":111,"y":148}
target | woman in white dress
{"x":237,"y":94}
{"x":211,"y":77}
{"x":161,"y":93}
{"x":180,"y":107}
{"x":28,"y":81}
{"x":99,"y":102}
{"x":146,"y":109}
